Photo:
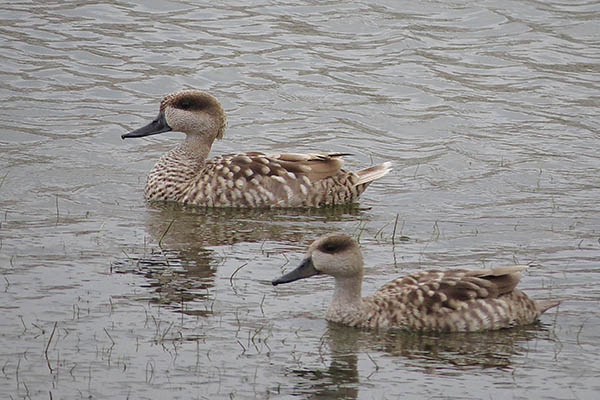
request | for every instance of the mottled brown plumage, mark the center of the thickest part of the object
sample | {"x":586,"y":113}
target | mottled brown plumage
{"x":253,"y":179}
{"x":457,"y":300}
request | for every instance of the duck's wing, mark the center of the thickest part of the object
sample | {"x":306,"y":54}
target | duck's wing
{"x":315,"y":166}
{"x":311,"y":167}
{"x":278,"y":180}
{"x":274,"y":180}
{"x":431,"y":290}
{"x":318,"y":166}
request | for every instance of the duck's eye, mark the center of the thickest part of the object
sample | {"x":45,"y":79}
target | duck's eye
{"x":185,"y":105}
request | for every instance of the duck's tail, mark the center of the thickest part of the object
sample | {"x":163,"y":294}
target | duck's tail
{"x":368,"y":175}
{"x":545,"y":305}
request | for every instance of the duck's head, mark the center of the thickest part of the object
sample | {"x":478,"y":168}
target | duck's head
{"x":193,"y":112}
{"x":335,"y":254}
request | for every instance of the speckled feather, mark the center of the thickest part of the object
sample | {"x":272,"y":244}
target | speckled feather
{"x":250,"y":179}
{"x":452,"y":300}
{"x":458,"y":300}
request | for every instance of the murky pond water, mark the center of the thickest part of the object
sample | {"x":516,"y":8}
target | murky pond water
{"x":488,"y":110}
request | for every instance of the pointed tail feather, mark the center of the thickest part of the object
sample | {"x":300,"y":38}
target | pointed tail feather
{"x":374,"y":172}
{"x":545,"y":305}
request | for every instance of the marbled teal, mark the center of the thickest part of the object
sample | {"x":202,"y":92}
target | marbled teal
{"x":454,"y":300}
{"x":251,"y":179}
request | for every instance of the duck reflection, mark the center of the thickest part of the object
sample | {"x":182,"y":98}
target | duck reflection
{"x":177,"y":277}
{"x":178,"y":257}
{"x":173,"y":225}
{"x":443,"y":353}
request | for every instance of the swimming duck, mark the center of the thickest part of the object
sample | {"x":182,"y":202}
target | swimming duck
{"x":457,"y":300}
{"x":254,"y":179}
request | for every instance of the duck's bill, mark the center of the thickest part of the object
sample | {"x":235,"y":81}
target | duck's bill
{"x":305,"y":270}
{"x":159,"y":125}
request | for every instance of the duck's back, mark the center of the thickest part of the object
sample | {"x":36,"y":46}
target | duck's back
{"x":453,"y":300}
{"x":268,"y":180}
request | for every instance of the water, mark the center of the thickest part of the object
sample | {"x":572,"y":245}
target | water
{"x":488,"y":110}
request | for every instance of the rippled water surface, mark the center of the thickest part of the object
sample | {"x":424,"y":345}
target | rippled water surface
{"x":488,"y":110}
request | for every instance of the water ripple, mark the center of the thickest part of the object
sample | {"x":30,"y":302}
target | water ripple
{"x":488,"y":110}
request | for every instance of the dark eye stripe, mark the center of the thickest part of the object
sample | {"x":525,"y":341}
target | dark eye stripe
{"x":329,"y":247}
{"x":335,"y":245}
{"x":192,"y":103}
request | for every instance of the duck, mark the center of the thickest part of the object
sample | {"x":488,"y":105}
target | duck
{"x":244,"y":180}
{"x":453,"y":300}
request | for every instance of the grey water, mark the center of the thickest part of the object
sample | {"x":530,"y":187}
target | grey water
{"x":489,"y":111}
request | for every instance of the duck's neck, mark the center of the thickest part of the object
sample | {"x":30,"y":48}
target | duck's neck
{"x":171,"y":175}
{"x":346,"y":303}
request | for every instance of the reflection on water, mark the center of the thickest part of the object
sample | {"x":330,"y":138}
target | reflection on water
{"x":493,"y":349}
{"x":176,"y":277}
{"x":431,"y":353}
{"x":183,"y":267}
{"x":176,"y":226}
